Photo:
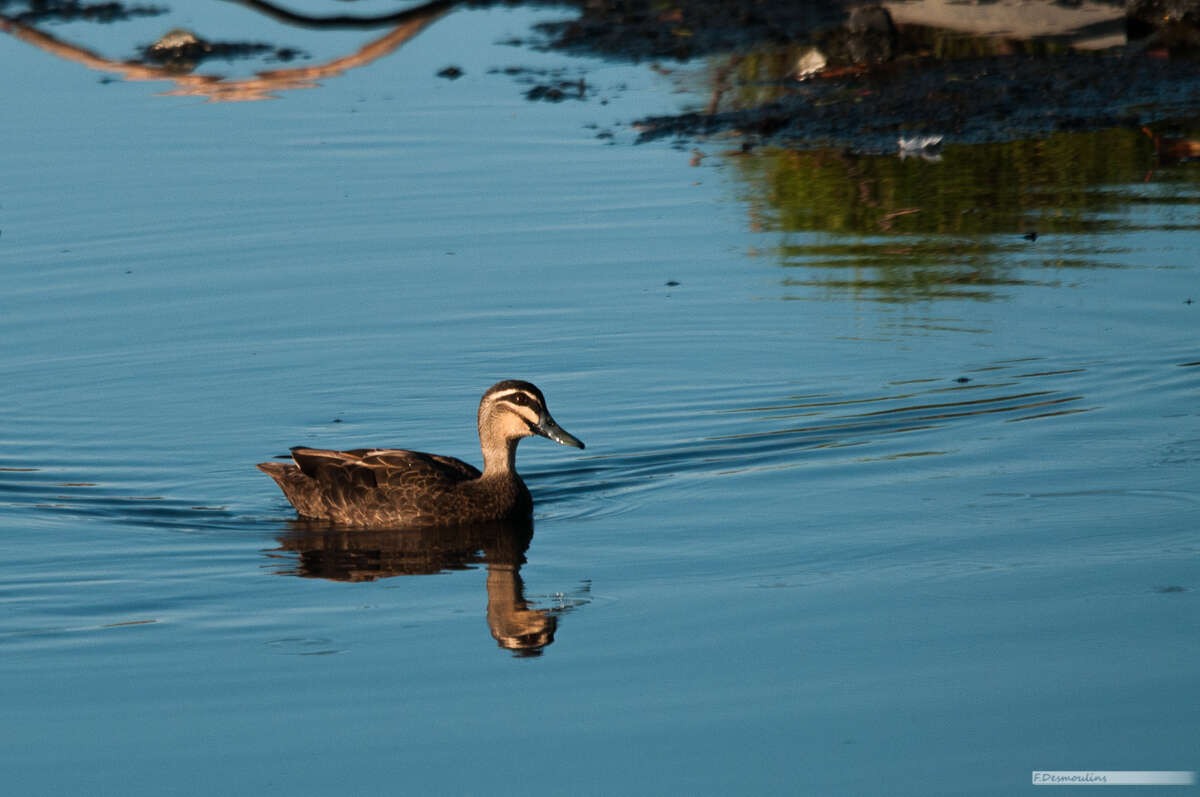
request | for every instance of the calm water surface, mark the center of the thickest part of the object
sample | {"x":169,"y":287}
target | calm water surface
{"x":880,"y":497}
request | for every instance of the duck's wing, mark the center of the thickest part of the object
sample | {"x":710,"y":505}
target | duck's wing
{"x":370,"y":486}
{"x":381,"y":467}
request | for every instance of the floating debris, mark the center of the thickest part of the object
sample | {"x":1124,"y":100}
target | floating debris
{"x":181,"y":50}
{"x":927,"y":147}
{"x":809,"y":64}
{"x":558,"y":91}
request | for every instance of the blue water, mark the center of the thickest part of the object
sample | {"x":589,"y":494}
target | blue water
{"x":827,"y":537}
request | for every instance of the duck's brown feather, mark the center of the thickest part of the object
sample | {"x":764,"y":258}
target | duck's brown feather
{"x":394,"y":487}
{"x":388,"y":465}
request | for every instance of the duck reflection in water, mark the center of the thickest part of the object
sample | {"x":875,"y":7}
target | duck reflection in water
{"x":325,"y":551}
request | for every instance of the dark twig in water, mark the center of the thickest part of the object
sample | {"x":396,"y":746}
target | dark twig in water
{"x":346,"y":20}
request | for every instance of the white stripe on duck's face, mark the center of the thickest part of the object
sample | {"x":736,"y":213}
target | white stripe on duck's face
{"x":524,"y":405}
{"x":521,"y":402}
{"x":517,"y":395}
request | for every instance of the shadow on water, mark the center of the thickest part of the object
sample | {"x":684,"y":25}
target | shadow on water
{"x":319,"y":550}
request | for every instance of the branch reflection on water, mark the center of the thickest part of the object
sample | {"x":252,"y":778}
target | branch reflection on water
{"x":319,"y":550}
{"x":218,"y":88}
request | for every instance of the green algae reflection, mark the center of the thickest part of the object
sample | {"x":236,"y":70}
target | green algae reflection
{"x":893,"y":229}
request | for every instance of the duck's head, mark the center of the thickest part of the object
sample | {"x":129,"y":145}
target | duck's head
{"x":513,"y":409}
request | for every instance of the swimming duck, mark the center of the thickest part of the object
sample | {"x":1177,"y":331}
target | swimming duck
{"x":394,"y":488}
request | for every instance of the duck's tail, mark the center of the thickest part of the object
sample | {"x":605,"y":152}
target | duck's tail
{"x":301,"y":491}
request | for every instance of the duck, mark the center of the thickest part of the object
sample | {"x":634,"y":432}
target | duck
{"x":395,"y":488}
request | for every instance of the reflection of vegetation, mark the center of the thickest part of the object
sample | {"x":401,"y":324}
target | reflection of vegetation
{"x":900,"y":279}
{"x":947,"y":228}
{"x":900,"y":270}
{"x":986,"y":188}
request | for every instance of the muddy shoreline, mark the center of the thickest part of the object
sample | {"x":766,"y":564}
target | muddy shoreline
{"x":814,"y":75}
{"x":969,"y":101}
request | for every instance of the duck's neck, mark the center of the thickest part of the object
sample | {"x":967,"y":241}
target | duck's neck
{"x":499,"y":457}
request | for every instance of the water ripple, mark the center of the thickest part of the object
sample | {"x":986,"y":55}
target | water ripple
{"x":750,"y":429}
{"x":756,"y":431}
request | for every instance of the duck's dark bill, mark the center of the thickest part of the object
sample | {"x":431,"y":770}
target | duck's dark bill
{"x":548,"y":428}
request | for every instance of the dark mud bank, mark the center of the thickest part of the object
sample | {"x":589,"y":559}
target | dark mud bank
{"x":970,"y":101}
{"x":863,"y":76}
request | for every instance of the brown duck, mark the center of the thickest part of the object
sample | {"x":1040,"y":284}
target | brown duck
{"x":394,"y":488}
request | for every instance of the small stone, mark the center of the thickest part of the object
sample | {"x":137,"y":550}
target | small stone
{"x":809,"y":64}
